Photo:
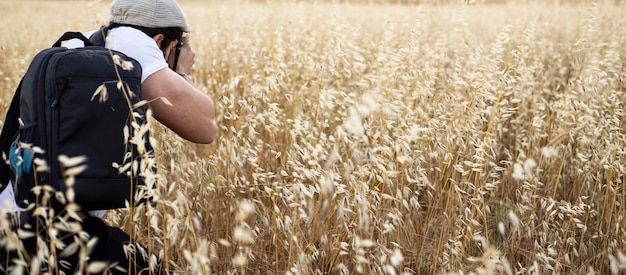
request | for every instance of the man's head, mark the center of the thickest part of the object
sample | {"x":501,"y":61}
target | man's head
{"x":162,"y":20}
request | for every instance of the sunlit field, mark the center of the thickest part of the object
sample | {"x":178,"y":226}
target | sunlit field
{"x":483,"y":138}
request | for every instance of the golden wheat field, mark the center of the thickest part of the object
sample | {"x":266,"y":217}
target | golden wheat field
{"x":373,"y":138}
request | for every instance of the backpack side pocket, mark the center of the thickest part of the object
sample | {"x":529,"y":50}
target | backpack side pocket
{"x":25,"y":161}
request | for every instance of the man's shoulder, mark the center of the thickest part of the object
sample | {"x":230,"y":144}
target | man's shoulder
{"x":138,"y":45}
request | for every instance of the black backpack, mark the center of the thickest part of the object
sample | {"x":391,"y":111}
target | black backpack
{"x":73,"y":103}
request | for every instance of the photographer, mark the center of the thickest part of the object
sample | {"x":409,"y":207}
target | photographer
{"x":153,"y":32}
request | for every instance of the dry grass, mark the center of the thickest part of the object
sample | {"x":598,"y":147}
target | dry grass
{"x":385,"y":139}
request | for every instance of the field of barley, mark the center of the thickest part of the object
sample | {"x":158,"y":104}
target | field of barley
{"x":425,"y":138}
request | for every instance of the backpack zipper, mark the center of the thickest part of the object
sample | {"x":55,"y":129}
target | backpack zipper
{"x":53,"y":138}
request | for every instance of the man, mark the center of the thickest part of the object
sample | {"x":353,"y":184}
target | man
{"x":192,"y":113}
{"x":151,"y":32}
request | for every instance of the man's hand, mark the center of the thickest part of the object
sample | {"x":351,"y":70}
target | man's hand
{"x":186,"y":57}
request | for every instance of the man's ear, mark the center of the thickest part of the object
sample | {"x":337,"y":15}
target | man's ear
{"x":159,"y":39}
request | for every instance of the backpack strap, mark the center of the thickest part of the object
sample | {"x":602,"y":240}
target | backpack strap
{"x":9,"y":129}
{"x":98,"y":37}
{"x":72,"y":35}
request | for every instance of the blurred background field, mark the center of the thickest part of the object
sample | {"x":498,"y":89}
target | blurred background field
{"x":425,"y":137}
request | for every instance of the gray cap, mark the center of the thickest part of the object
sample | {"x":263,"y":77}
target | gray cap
{"x":149,"y":13}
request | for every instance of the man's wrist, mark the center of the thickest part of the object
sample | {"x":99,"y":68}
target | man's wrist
{"x":185,"y":76}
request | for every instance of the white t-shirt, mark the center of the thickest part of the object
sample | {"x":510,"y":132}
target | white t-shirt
{"x":133,"y":43}
{"x":7,"y":200}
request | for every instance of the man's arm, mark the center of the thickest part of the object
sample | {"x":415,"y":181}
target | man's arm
{"x":192,"y":113}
